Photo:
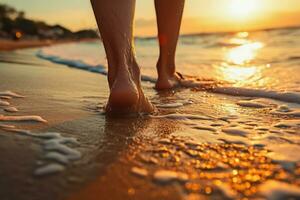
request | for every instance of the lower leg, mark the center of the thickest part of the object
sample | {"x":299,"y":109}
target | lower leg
{"x":169,"y":15}
{"x":115,"y":22}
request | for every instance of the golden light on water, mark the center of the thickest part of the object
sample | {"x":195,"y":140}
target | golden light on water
{"x":243,"y":54}
{"x":238,"y":68}
{"x":242,"y":34}
{"x":239,"y":74}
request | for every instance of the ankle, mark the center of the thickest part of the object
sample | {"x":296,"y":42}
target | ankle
{"x":124,"y":69}
{"x":165,"y":67}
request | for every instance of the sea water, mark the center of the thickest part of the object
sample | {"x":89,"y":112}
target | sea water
{"x":261,"y":63}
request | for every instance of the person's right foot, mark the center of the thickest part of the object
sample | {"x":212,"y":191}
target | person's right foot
{"x":166,"y":82}
{"x":126,"y":94}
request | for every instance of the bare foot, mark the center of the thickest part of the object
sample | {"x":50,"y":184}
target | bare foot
{"x":166,"y":82}
{"x":126,"y":94}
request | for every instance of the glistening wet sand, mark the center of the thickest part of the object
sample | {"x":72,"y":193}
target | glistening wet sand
{"x":198,"y":146}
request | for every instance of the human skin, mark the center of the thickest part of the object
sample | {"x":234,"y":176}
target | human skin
{"x":169,"y":16}
{"x":115,"y":22}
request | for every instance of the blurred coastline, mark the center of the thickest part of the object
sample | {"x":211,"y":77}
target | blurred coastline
{"x":9,"y":45}
{"x":19,"y":31}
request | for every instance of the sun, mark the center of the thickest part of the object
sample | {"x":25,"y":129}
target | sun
{"x":240,"y":9}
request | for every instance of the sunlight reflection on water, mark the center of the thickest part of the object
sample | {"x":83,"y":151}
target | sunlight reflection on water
{"x":243,"y":54}
{"x":238,"y":68}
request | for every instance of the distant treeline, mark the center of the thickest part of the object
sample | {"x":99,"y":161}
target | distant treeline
{"x":13,"y":21}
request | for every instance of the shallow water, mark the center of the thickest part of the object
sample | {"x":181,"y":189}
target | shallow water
{"x":267,"y":60}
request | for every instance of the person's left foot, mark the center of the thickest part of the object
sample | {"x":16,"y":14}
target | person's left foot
{"x":126,"y":95}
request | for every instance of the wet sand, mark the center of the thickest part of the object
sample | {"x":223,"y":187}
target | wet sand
{"x":198,"y":146}
{"x":68,"y":99}
{"x":7,"y":45}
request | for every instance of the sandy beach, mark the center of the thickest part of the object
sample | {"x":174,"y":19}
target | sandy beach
{"x":69,"y":100}
{"x":9,"y":45}
{"x":150,"y":100}
{"x":198,"y":145}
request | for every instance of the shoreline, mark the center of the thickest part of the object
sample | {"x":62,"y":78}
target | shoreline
{"x":11,"y":45}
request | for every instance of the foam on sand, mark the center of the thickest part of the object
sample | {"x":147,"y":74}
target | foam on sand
{"x":170,"y":105}
{"x":57,"y":153}
{"x":175,"y":104}
{"x":11,"y":109}
{"x":51,"y":168}
{"x":293,"y":97}
{"x":178,"y":116}
{"x":69,"y":153}
{"x":165,"y":176}
{"x":55,"y":156}
{"x":6,"y":126}
{"x":139,"y":171}
{"x":11,"y":94}
{"x":5,"y":97}
{"x":23,"y":118}
{"x":4,"y":103}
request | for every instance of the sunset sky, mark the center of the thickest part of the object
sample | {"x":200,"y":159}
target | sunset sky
{"x":199,"y":15}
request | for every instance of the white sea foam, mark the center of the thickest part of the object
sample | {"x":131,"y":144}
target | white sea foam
{"x":6,"y":126}
{"x":11,"y":109}
{"x":175,"y":104}
{"x":23,"y":118}
{"x":56,"y":150}
{"x":182,"y":117}
{"x":101,"y":69}
{"x":47,"y":135}
{"x":165,"y":176}
{"x":293,"y":97}
{"x":55,"y":156}
{"x":48,"y":169}
{"x":11,"y":94}
{"x":5,"y":97}
{"x":69,"y":153}
{"x":62,"y":140}
{"x":73,"y":63}
{"x":4,"y":103}
{"x":170,"y":105}
{"x":139,"y":171}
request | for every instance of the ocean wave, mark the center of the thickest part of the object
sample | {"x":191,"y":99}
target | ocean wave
{"x":101,"y":69}
{"x":292,"y":97}
{"x":73,"y":63}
